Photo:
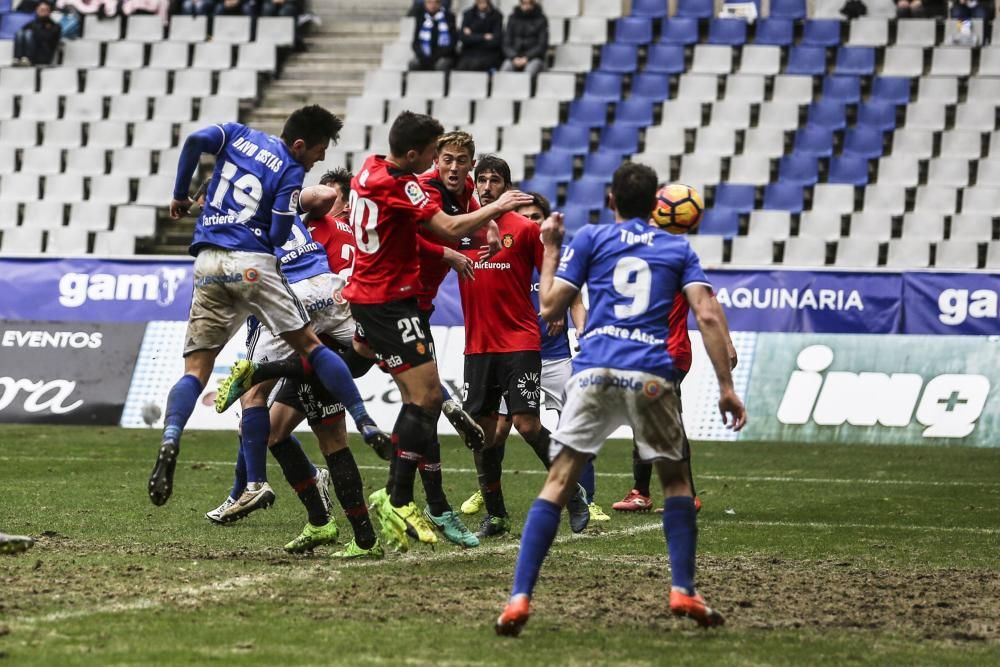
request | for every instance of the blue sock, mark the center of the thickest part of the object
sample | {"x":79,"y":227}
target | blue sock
{"x":539,"y":530}
{"x":445,"y":392}
{"x":336,"y":377}
{"x":255,"y":428}
{"x":180,"y":404}
{"x":589,"y":481}
{"x":240,"y":480}
{"x":681,"y":530}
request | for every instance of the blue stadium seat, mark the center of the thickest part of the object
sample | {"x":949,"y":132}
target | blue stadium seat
{"x":878,"y":114}
{"x":849,"y":169}
{"x":575,"y":217}
{"x":783,"y":197}
{"x":652,"y":9}
{"x":895,"y":89}
{"x":651,"y":86}
{"x":788,"y":9}
{"x":735,"y":196}
{"x":603,"y":86}
{"x":589,"y":192}
{"x":606,"y":217}
{"x":799,"y":169}
{"x":828,"y":113}
{"x":855,"y":60}
{"x":701,"y":9}
{"x":821,"y":32}
{"x":553,"y":166}
{"x":11,"y":23}
{"x":547,"y":187}
{"x":571,"y":138}
{"x":863,"y":141}
{"x":5,"y":6}
{"x":602,"y":164}
{"x":810,"y":60}
{"x":635,"y":111}
{"x":815,"y":140}
{"x":622,"y":138}
{"x":634,"y":30}
{"x":727,"y":31}
{"x":774,"y":32}
{"x":847,"y":89}
{"x":588,"y":112}
{"x":619,"y":58}
{"x":665,"y":59}
{"x":680,"y":31}
{"x":720,"y":221}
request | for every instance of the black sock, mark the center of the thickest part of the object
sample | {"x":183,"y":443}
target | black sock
{"x":415,"y":429}
{"x":540,"y":445}
{"x":489,"y":466}
{"x":641,"y":472}
{"x":350,"y":492}
{"x":392,"y":467}
{"x":430,"y":475}
{"x":358,"y":364}
{"x":285,"y":368}
{"x":300,"y":473}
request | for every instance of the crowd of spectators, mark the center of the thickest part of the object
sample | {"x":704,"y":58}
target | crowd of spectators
{"x":482,"y":43}
{"x":241,"y":7}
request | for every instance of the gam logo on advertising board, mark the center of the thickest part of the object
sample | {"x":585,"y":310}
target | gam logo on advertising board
{"x":76,"y":289}
{"x":948,"y":405}
{"x":955,"y":306}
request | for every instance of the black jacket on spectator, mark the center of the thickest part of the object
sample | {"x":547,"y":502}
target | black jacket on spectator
{"x":478,"y":53}
{"x":437,"y":51}
{"x":527,"y":34}
{"x":38,"y":41}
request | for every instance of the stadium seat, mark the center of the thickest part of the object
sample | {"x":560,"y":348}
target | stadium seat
{"x":760,"y":59}
{"x":783,"y":197}
{"x":806,"y":252}
{"x":219,"y":56}
{"x":115,"y":189}
{"x":750,"y":168}
{"x":60,"y":80}
{"x":125,"y":55}
{"x":144,"y":28}
{"x":835,"y":197}
{"x":19,"y":187}
{"x":708,"y":247}
{"x":554,"y":86}
{"x":814,"y":140}
{"x":989,"y":61}
{"x":40,"y":106}
{"x":68,"y":241}
{"x":869,"y":32}
{"x":679,"y":30}
{"x":114,"y":243}
{"x":231,"y":29}
{"x":8,"y":215}
{"x":729,"y":32}
{"x":712,"y":59}
{"x":696,"y":9}
{"x":871,"y":225}
{"x":972,"y":226}
{"x":633,"y":30}
{"x":847,"y":89}
{"x":916,"y":32}
{"x":826,"y":225}
{"x":21,"y":240}
{"x":619,"y":58}
{"x":621,"y":138}
{"x":771,"y":224}
{"x":573,"y":58}
{"x":64,"y":187}
{"x":951,"y":62}
{"x":855,"y":61}
{"x":774,"y":31}
{"x":575,"y":216}
{"x":731,"y":114}
{"x":948,"y":172}
{"x":452,"y":112}
{"x":102,"y":81}
{"x":650,"y":86}
{"x":698,"y":169}
{"x":83,"y":54}
{"x":138,"y":220}
{"x":752,"y":251}
{"x":921,"y":226}
{"x":277,"y":30}
{"x":62,"y":134}
{"x":983,"y":198}
{"x":154,"y":191}
{"x":174,"y":108}
{"x":735,"y":196}
{"x":765,"y":141}
{"x":895,"y":90}
{"x":848,"y":169}
{"x":913,"y":142}
{"x":745,"y":87}
{"x":87,"y":161}
{"x":821,"y":32}
{"x":908,"y":253}
{"x":698,"y":87}
{"x":943,"y":90}
{"x":19,"y":81}
{"x":606,"y":86}
{"x":555,"y":165}
{"x":989,"y":169}
{"x":715,"y":140}
{"x":428,"y":85}
{"x":903,"y":61}
{"x":493,"y":111}
{"x":684,"y":113}
{"x":589,"y":192}
{"x":665,"y":59}
{"x":148,"y":82}
{"x":539,"y":112}
{"x":979,"y":117}
{"x":588,"y":112}
{"x":92,"y":216}
{"x":100,"y":29}
{"x":806,"y":60}
{"x":19,"y":132}
{"x":831,"y":114}
{"x":885,"y":198}
{"x":936,"y":199}
{"x":667,"y":138}
{"x":651,"y":9}
{"x":877,"y":114}
{"x":635,"y":111}
{"x":189,"y":29}
{"x":964,"y":144}
{"x":857,"y":252}
{"x":547,"y":187}
{"x":788,"y":9}
{"x":926,"y":115}
{"x":957,"y":255}
{"x":983,"y":89}
{"x":44,"y":214}
{"x":601,"y":164}
{"x":864,"y":141}
{"x":132,"y":162}
{"x":720,"y":221}
{"x":993,"y":255}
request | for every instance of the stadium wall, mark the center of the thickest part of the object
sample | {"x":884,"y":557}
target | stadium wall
{"x":820,"y":360}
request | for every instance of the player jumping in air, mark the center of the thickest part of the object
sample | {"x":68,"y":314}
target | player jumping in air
{"x":623,"y":375}
{"x":251,"y":204}
{"x":387,"y":206}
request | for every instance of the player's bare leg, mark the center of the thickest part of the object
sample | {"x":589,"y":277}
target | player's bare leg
{"x":180,"y":404}
{"x":680,"y":527}
{"x":539,"y":532}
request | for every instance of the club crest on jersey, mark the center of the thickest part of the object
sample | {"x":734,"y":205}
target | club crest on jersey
{"x":508,"y":240}
{"x":293,"y":202}
{"x":421,"y":348}
{"x":415,"y":193}
{"x":251,"y":275}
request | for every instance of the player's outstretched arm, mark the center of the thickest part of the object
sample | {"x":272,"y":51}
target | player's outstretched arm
{"x":317,"y":200}
{"x":708,"y":313}
{"x":455,"y":227}
{"x":553,"y":297}
{"x":206,"y":140}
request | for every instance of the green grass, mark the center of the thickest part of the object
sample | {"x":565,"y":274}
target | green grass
{"x":816,"y":555}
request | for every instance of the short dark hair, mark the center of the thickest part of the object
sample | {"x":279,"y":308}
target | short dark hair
{"x":634,"y":188}
{"x":313,"y":125}
{"x":540,"y":200}
{"x":413,"y":132}
{"x":338,"y":176}
{"x":495,"y":164}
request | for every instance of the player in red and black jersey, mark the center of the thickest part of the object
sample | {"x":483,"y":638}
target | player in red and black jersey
{"x":503,"y":343}
{"x":388,"y":205}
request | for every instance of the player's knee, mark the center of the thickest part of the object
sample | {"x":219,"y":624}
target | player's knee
{"x":416,"y":429}
{"x":529,"y":426}
{"x":257,"y":396}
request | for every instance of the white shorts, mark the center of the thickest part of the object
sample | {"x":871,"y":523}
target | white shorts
{"x":328,"y":313}
{"x":600,"y":400}
{"x":231,"y":284}
{"x":555,"y":374}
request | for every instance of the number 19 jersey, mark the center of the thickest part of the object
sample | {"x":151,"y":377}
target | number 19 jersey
{"x":386,"y":204}
{"x":633,"y":272}
{"x":255,"y":176}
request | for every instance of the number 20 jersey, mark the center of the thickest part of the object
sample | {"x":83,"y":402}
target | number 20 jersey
{"x":386,"y":204}
{"x":632,"y":272}
{"x":254,"y":176}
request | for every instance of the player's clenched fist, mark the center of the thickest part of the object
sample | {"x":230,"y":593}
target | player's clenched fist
{"x":179,"y":208}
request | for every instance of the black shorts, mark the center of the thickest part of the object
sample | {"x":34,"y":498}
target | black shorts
{"x":514,"y":376}
{"x":311,"y":399}
{"x":397,"y":333}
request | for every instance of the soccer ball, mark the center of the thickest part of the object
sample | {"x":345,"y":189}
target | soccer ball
{"x":678,"y":208}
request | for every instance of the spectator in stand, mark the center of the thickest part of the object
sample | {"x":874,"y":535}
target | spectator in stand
{"x":417,"y":10}
{"x":965,"y":10}
{"x":235,"y":7}
{"x":482,"y":38}
{"x":921,"y":9}
{"x":281,"y":8}
{"x":197,"y":7}
{"x":526,"y":40}
{"x":37,"y":42}
{"x":434,"y":38}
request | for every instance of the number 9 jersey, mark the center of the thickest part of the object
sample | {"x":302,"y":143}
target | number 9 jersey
{"x":386,"y":205}
{"x":255,"y":178}
{"x":633,"y":272}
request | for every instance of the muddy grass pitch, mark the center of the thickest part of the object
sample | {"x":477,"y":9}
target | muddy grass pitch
{"x":816,"y":555}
